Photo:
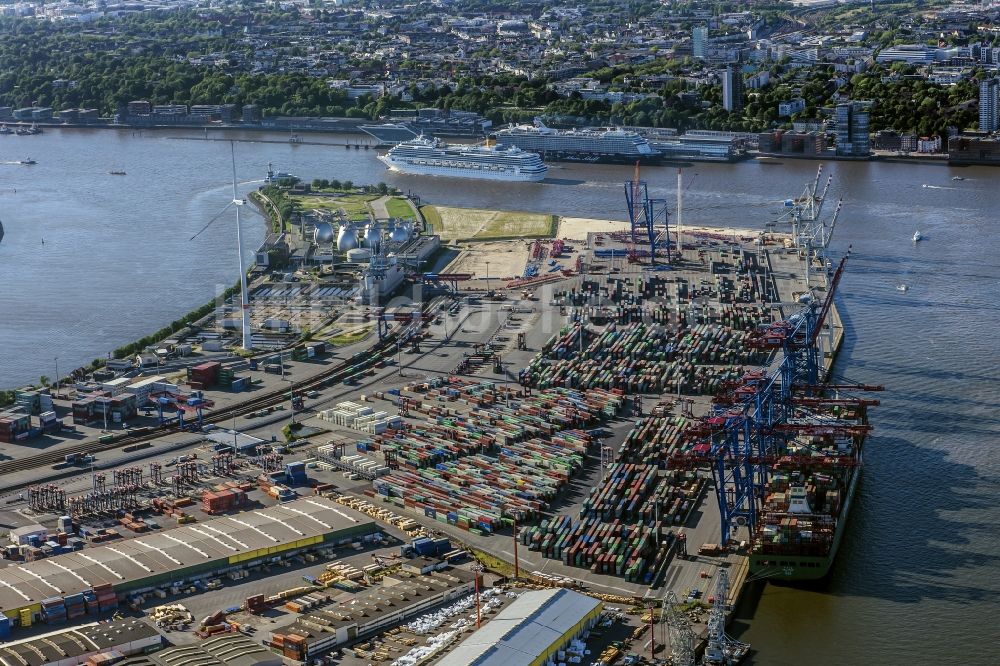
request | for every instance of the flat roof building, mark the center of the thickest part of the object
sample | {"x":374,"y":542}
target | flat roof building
{"x":220,"y":650}
{"x":399,"y":598}
{"x":70,"y":647}
{"x":193,"y":551}
{"x":529,"y":632}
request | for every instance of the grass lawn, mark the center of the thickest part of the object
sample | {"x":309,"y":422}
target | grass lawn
{"x":475,"y":224}
{"x":355,"y":205}
{"x":433,"y":218}
{"x":397,"y":207}
{"x":350,"y":337}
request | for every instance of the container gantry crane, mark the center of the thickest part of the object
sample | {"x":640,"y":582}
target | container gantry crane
{"x":753,"y":420}
{"x":643,"y":216}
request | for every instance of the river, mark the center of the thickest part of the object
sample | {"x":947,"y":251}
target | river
{"x":915,"y":581}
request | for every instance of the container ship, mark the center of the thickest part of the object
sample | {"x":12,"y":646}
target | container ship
{"x":598,"y":145}
{"x":429,"y":157}
{"x":808,"y":496}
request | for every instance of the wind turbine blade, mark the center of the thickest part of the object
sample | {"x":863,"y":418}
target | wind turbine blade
{"x":232,"y":148}
{"x":212,"y":221}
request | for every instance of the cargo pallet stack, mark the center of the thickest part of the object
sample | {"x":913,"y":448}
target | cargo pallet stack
{"x":203,"y":376}
{"x":75,"y":606}
{"x":222,"y":501}
{"x":53,"y":610}
{"x":14,"y":426}
{"x":106,"y":597}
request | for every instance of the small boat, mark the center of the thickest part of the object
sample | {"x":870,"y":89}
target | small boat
{"x":917,"y":236}
{"x":27,"y":160}
{"x":22,"y":131}
{"x":902,"y":287}
{"x":117,"y":173}
{"x":5,"y":130}
{"x":34,"y":129}
{"x":958,"y":178}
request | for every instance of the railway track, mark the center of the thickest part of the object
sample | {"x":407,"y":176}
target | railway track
{"x":270,"y":399}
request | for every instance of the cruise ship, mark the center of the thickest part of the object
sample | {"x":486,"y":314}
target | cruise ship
{"x":428,"y":157}
{"x":598,"y":145}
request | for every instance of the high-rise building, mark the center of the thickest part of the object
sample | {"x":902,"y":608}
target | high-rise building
{"x":852,"y":130}
{"x":732,"y":89}
{"x":699,"y":41}
{"x":988,"y":106}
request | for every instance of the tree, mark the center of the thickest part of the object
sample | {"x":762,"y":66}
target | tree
{"x":348,"y":186}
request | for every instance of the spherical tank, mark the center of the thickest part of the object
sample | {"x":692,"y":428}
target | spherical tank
{"x":347,"y":239}
{"x":401,"y":233}
{"x":323,"y":233}
{"x":372,"y":235}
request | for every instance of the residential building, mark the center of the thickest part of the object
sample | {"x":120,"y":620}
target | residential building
{"x":791,"y":107}
{"x":699,"y":41}
{"x":732,"y":89}
{"x":852,"y":129}
{"x":988,"y":107}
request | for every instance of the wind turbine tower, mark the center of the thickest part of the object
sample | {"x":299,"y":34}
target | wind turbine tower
{"x":244,"y":297}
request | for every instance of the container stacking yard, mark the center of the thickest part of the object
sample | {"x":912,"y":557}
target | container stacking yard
{"x":506,"y":456}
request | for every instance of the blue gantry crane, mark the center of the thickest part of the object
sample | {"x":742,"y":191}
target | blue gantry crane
{"x":753,"y":417}
{"x":644,"y":214}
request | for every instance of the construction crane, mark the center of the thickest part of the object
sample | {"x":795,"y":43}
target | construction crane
{"x":643,"y":215}
{"x":722,"y":650}
{"x":680,"y":632}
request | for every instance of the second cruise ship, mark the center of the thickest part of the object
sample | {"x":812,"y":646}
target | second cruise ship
{"x":431,"y":158}
{"x":598,"y":145}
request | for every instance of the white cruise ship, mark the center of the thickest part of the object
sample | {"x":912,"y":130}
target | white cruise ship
{"x":431,"y":158}
{"x":605,"y":144}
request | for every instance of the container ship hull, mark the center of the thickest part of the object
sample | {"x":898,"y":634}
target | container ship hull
{"x":792,"y":568}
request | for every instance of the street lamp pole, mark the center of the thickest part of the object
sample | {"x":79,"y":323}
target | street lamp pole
{"x":487,"y":277}
{"x":57,"y":377}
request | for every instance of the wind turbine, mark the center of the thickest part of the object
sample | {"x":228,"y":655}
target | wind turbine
{"x":244,"y":297}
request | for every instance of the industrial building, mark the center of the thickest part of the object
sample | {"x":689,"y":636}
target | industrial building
{"x":70,"y":647}
{"x":219,"y":650}
{"x":181,"y":554}
{"x":529,"y":632}
{"x":399,"y":598}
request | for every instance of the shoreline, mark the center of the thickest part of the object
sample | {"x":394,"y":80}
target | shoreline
{"x":351,"y":126}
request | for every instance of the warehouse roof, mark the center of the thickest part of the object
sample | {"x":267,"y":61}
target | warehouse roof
{"x":222,"y":650}
{"x":76,"y":642}
{"x":398,"y":591}
{"x":523,"y":631}
{"x":151,"y":555}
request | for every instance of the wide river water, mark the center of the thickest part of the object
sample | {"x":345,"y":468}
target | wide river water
{"x":917,"y":580}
